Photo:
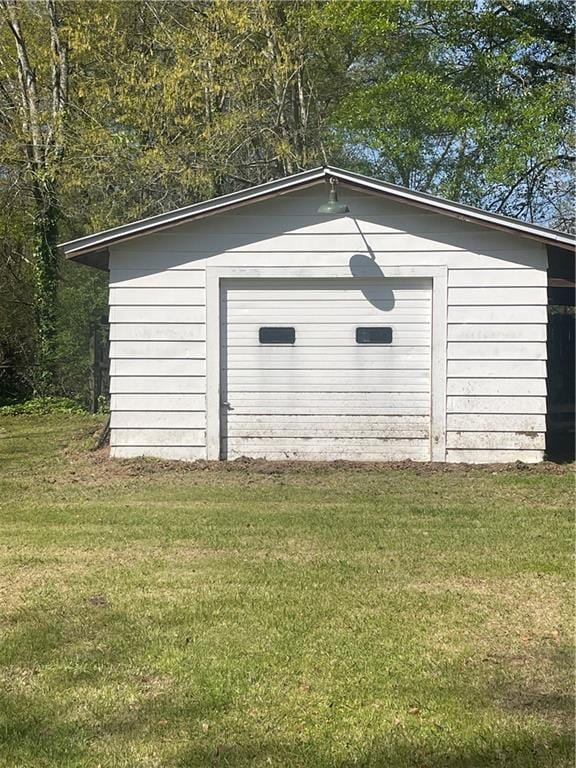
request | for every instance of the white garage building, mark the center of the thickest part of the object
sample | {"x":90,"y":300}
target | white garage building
{"x":407,"y":327}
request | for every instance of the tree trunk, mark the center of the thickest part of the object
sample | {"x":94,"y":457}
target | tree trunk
{"x":43,"y":111}
{"x":46,"y":260}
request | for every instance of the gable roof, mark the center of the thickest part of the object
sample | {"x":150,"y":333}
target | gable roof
{"x":92,"y":249}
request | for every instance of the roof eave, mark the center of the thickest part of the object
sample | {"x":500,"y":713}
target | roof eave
{"x":101,"y":241}
{"x":456,"y":210}
{"x":99,"y":259}
{"x":74,"y":248}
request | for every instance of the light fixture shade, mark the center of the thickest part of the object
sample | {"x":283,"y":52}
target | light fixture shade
{"x":333,"y":206}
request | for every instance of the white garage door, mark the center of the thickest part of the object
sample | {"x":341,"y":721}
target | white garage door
{"x":326,"y":369}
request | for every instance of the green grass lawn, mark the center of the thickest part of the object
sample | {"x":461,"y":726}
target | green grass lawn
{"x":168,"y":615}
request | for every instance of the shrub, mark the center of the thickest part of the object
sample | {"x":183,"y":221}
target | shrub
{"x":42,"y":406}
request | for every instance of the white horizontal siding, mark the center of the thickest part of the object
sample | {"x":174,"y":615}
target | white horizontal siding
{"x":496,"y":422}
{"x":174,"y":453}
{"x":500,"y":313}
{"x":514,"y":332}
{"x":481,"y":404}
{"x":183,"y":297}
{"x":158,"y":402}
{"x":496,"y":353}
{"x":525,"y":369}
{"x":295,"y":242}
{"x":153,"y":278}
{"x":492,"y":456}
{"x":157,"y":315}
{"x":164,"y":367}
{"x":339,"y":262}
{"x":522,"y":440}
{"x":145,"y":332}
{"x":490,"y":386}
{"x":496,"y":334}
{"x":387,"y":218}
{"x":153,"y":384}
{"x":496,"y":278}
{"x":158,"y":420}
{"x":467,"y":297}
{"x":496,"y":350}
{"x":177,"y":437}
{"x":158,"y":350}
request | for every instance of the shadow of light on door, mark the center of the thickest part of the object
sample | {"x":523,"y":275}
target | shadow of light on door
{"x":365,"y":268}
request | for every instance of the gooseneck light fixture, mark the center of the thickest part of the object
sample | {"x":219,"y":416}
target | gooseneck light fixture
{"x":333,"y":206}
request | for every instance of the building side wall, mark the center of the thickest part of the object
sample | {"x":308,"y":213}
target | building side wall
{"x":496,"y":334}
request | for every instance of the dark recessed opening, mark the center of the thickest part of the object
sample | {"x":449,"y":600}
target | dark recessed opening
{"x":269,"y":335}
{"x":374,"y":335}
{"x":561,"y":363}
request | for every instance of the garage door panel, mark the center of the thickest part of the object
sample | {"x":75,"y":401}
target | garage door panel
{"x":366,"y":432}
{"x":327,"y":396}
{"x":328,"y":309}
{"x":321,"y":443}
{"x":340,"y":290}
{"x":256,"y":407}
{"x":355,"y":400}
{"x":317,"y":421}
{"x":272,"y":375}
{"x":320,"y":328}
{"x":325,"y":453}
{"x":238,"y":379}
{"x":346,"y":320}
{"x":401,"y":339}
{"x":329,"y":387}
{"x":339,"y":365}
{"x":340,"y":338}
{"x":331,"y":329}
{"x":254,"y":351}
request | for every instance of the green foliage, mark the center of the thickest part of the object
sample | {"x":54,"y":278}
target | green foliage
{"x":42,"y":406}
{"x":17,"y":331}
{"x":83,"y":303}
{"x":46,"y":275}
{"x":474,"y":103}
{"x":173,"y":102}
{"x":33,"y":107}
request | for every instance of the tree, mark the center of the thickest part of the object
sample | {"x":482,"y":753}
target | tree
{"x":235,"y":94}
{"x":471,"y":102}
{"x":35,"y":95}
{"x":116,"y":111}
